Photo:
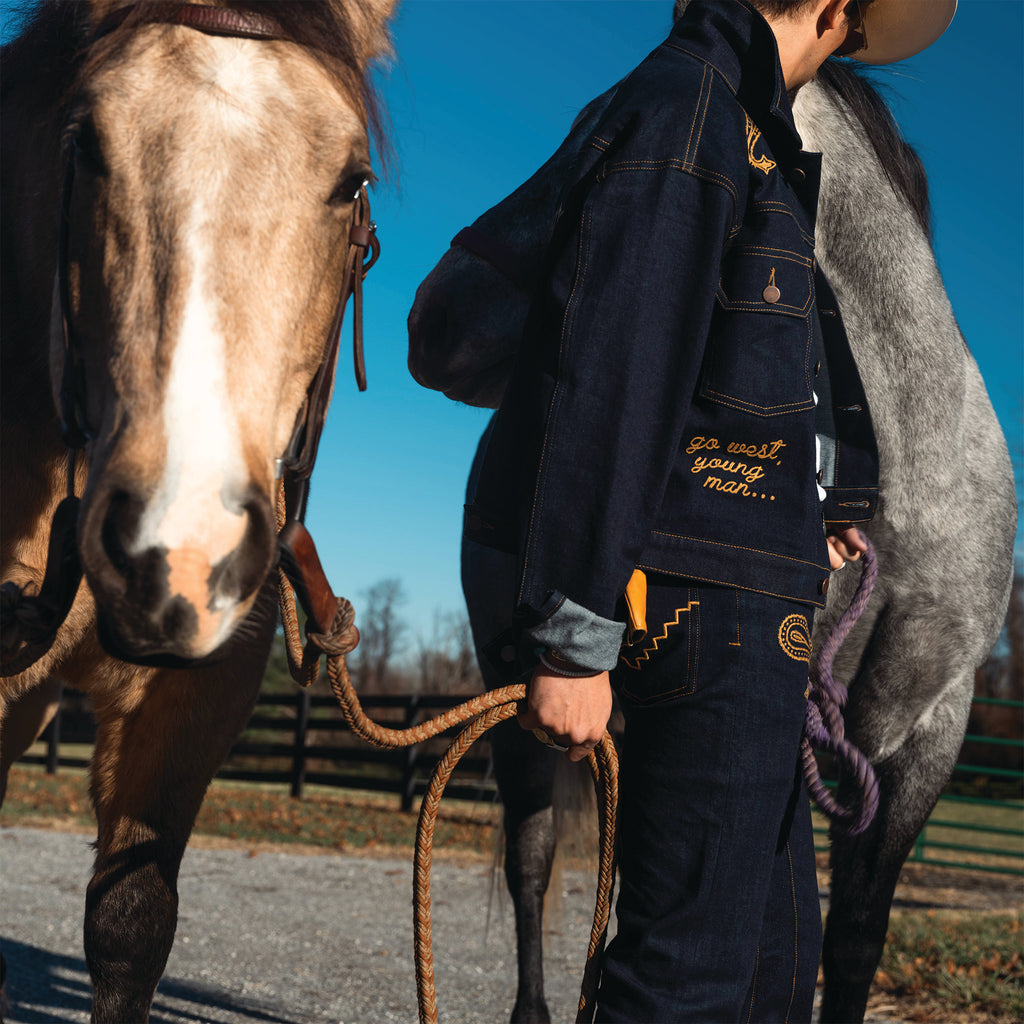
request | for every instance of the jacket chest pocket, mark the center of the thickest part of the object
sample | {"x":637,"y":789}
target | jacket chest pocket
{"x":759,"y":349}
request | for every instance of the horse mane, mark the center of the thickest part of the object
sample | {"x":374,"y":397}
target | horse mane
{"x":48,"y":47}
{"x":57,"y":35}
{"x":858,"y":100}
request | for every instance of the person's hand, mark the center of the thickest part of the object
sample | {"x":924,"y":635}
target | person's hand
{"x":845,"y":546}
{"x":574,"y":712}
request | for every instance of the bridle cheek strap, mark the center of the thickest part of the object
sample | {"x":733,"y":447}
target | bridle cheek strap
{"x":363,"y":251}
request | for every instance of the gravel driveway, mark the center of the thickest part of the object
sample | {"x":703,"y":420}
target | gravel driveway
{"x":286,"y":938}
{"x":282,"y":938}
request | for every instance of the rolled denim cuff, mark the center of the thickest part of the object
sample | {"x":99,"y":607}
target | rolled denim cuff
{"x":580,"y":636}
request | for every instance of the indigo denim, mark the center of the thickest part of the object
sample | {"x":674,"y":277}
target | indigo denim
{"x":661,"y":411}
{"x":718,"y":913}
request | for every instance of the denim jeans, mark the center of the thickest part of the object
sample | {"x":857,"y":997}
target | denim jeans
{"x":718,"y":914}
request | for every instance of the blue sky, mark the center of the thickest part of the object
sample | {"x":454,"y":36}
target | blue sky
{"x":479,"y":94}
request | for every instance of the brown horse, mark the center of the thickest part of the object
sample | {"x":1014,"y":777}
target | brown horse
{"x":180,"y":184}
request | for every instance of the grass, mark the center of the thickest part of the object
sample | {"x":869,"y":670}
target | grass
{"x":254,"y":813}
{"x":959,"y":822}
{"x":947,"y":964}
{"x":937,"y":967}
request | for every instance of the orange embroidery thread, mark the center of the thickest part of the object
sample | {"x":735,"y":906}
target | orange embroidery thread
{"x":795,"y":637}
{"x":760,"y":163}
{"x":646,"y":653}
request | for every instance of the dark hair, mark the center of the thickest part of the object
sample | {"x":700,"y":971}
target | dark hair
{"x":778,"y":8}
{"x":775,"y":8}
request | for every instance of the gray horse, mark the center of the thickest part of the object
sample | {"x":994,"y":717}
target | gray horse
{"x":943,"y":533}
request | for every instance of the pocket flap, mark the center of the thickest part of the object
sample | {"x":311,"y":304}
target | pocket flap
{"x":764,"y":280}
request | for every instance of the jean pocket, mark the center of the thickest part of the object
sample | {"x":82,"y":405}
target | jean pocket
{"x":664,"y":665}
{"x":760,"y":345}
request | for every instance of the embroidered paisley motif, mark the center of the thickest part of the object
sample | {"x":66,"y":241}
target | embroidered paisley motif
{"x":761,"y":163}
{"x":795,"y":637}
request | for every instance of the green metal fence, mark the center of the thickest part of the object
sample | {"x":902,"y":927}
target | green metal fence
{"x":978,"y":822}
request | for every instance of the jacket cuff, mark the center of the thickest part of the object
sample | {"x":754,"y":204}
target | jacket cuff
{"x":847,"y":506}
{"x":580,"y":636}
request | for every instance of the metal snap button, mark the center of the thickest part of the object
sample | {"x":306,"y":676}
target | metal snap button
{"x":817,"y":368}
{"x":798,"y":176}
{"x":771,"y":294}
{"x":823,"y":587}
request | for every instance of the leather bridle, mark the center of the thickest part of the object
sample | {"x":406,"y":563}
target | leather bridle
{"x":29,"y":621}
{"x":297,"y":461}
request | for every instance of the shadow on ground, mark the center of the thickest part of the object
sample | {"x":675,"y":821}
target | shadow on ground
{"x":49,"y":988}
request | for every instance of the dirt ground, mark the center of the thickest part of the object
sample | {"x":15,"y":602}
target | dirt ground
{"x":930,"y":888}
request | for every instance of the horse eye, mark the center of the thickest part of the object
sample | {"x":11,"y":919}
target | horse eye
{"x":347,"y":190}
{"x":87,"y":149}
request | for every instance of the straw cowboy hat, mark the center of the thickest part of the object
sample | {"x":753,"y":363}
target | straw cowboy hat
{"x":893,"y":30}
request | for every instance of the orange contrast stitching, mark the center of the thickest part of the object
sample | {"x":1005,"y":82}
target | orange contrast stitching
{"x":796,"y":944}
{"x":738,"y":547}
{"x":645,"y":654}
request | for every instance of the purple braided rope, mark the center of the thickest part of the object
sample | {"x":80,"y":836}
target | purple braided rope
{"x":823,"y":724}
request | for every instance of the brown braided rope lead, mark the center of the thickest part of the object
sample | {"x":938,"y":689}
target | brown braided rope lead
{"x":603,"y":762}
{"x":424,"y":847}
{"x":482,"y":712}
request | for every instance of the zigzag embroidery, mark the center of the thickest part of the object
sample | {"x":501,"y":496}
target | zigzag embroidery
{"x":645,"y":654}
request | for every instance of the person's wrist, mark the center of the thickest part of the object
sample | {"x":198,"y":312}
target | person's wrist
{"x":559,"y":665}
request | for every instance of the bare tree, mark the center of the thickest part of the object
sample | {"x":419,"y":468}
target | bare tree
{"x":382,"y":635}
{"x":445,"y":660}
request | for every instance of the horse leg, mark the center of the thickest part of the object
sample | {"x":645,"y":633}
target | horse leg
{"x":866,"y":868}
{"x":525,"y":772}
{"x":157,"y":749}
{"x":21,"y":722}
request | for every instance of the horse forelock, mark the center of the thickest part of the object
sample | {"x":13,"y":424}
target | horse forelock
{"x":346,"y":37}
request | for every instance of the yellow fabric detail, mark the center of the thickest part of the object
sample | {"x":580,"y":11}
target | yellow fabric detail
{"x":636,"y":607}
{"x":652,"y":645}
{"x":761,"y":163}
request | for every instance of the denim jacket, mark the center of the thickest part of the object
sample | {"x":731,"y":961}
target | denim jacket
{"x":661,"y":414}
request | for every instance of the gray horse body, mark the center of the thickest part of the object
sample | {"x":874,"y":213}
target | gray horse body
{"x":943,"y":532}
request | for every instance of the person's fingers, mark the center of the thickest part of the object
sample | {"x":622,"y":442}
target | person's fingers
{"x":580,"y":751}
{"x":550,"y":741}
{"x":835,"y":558}
{"x":526,"y":716}
{"x":843,"y":548}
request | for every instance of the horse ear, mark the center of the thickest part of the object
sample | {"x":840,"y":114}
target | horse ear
{"x":374,"y":15}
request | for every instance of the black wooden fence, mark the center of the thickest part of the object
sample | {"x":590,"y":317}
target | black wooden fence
{"x":301,"y":739}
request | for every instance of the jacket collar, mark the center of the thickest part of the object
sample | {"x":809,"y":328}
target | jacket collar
{"x":734,"y":39}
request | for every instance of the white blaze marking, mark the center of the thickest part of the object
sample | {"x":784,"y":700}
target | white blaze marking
{"x":204,"y":465}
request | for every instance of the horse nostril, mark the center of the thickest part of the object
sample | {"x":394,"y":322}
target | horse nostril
{"x":244,"y":570}
{"x":119,"y":526}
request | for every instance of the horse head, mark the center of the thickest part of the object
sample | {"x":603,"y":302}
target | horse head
{"x":215,"y":158}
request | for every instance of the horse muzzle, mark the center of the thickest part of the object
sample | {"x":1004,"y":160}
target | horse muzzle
{"x":172,"y":604}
